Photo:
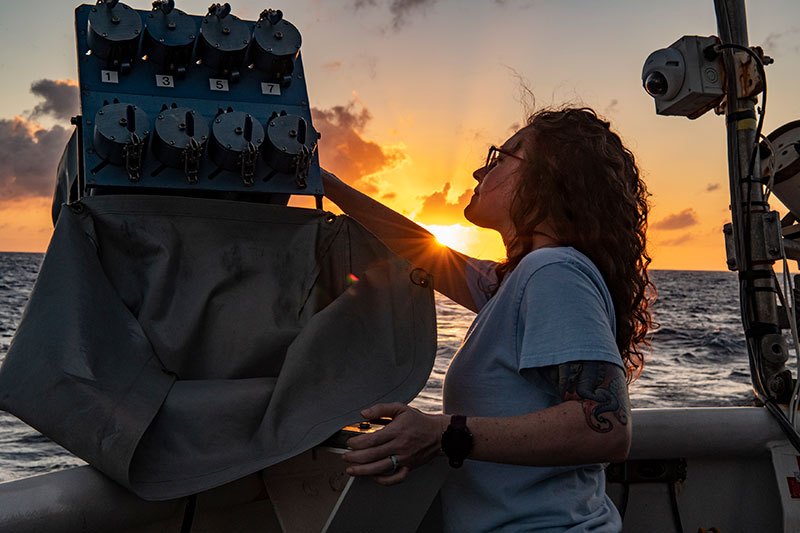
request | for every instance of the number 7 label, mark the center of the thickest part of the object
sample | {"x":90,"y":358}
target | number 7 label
{"x":271,"y":88}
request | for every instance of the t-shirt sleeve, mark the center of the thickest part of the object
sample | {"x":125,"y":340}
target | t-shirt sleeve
{"x":565,"y":316}
{"x":481,"y":278}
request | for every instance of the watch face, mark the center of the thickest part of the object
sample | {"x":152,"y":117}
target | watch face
{"x":457,"y":443}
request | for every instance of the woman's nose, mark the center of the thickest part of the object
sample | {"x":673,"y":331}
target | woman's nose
{"x":479,"y":173}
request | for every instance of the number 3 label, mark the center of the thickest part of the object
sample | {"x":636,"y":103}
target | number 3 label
{"x":164,"y":81}
{"x":217,"y":84}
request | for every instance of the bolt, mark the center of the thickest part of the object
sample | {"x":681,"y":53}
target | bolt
{"x":278,"y":35}
{"x":161,"y":40}
{"x":123,"y":121}
{"x":292,"y":133}
{"x":172,"y":143}
{"x":113,"y":137}
{"x":171,"y":26}
{"x":136,"y":32}
{"x":115,"y":19}
{"x":181,"y":126}
{"x":226,"y":30}
{"x":238,"y":130}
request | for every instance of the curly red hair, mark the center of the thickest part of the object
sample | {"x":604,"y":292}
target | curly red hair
{"x":579,"y":176}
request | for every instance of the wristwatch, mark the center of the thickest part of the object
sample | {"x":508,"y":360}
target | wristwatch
{"x":457,"y":441}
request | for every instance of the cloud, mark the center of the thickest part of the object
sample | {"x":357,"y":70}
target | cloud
{"x":401,"y":10}
{"x":686,"y":237}
{"x":60,"y":98}
{"x":712,"y":187}
{"x":332,"y":65}
{"x":684,"y":219}
{"x":612,"y":107}
{"x":437,"y":210}
{"x":774,"y":41}
{"x":29,"y":156}
{"x":344,"y":151}
{"x":29,"y":152}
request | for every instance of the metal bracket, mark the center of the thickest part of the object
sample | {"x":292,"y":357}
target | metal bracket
{"x":247,"y":161}
{"x":191,"y":159}
{"x":302,"y":163}
{"x":132,"y":152}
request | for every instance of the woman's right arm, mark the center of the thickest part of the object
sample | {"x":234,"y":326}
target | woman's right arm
{"x":405,"y":238}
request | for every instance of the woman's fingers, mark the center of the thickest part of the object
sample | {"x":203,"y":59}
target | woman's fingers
{"x":379,"y":410}
{"x":379,"y":467}
{"x":370,"y":455}
{"x":393,"y":479}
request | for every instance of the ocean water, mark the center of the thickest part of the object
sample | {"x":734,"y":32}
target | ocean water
{"x":698,"y":354}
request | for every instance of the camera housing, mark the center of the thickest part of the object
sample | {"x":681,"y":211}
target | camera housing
{"x":685,"y":79}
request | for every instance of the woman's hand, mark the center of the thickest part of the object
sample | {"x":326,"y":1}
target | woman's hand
{"x":412,"y":437}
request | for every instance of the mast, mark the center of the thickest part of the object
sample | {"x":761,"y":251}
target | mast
{"x":752,"y":221}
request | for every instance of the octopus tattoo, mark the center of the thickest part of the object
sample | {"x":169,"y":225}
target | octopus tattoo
{"x":600,"y":387}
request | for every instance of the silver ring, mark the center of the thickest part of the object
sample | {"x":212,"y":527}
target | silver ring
{"x":395,"y":463}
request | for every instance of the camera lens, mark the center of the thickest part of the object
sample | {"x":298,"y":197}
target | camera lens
{"x":656,"y":84}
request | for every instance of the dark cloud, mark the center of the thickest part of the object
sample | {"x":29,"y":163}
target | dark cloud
{"x":29,"y":156}
{"x":437,"y":210}
{"x":686,"y":237}
{"x":29,"y":153}
{"x":612,"y":106}
{"x":60,"y":98}
{"x":684,"y":219}
{"x":343,"y":150}
{"x":712,"y":187}
{"x":401,"y":10}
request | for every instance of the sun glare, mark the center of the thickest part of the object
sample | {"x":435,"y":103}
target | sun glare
{"x":455,"y":236}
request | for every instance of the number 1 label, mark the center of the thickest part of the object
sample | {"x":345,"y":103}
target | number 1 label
{"x":163,"y":80}
{"x":109,"y":76}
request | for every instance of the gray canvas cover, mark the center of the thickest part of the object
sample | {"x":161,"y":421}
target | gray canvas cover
{"x":177,"y":344}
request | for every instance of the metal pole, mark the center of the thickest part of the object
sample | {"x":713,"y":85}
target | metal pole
{"x":749,"y":217}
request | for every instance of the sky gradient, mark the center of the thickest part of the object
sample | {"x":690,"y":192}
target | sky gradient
{"x":409,"y":94}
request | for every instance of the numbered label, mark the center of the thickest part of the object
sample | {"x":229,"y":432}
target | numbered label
{"x":271,"y":88}
{"x":218,"y":85}
{"x":109,"y":76}
{"x":163,"y":80}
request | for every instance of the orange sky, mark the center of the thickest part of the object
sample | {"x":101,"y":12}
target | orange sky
{"x":409,"y":95}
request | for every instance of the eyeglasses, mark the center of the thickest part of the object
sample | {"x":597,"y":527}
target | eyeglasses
{"x":494,"y":153}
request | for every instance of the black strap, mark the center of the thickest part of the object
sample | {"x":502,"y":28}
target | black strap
{"x":759,"y":329}
{"x":751,"y":275}
{"x":736,"y":116}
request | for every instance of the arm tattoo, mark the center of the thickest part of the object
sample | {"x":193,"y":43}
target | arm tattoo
{"x":600,"y":387}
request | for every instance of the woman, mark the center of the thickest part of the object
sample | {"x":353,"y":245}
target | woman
{"x":536,"y":397}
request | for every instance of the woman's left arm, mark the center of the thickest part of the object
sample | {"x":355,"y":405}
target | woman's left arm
{"x":592,"y":424}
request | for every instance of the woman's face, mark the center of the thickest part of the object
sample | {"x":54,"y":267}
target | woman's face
{"x":490,"y":206}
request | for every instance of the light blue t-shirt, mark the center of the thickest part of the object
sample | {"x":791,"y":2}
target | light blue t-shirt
{"x":552,"y":309}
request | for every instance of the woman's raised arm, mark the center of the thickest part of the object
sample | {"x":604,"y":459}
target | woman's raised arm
{"x":405,"y":238}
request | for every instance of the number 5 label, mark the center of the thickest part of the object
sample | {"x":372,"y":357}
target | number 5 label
{"x":217,"y":84}
{"x":271,"y":88}
{"x":164,"y":81}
